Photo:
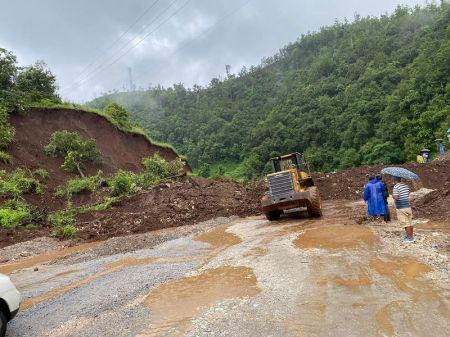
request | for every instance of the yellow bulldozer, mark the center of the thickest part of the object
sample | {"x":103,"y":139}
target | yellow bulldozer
{"x":290,"y":186}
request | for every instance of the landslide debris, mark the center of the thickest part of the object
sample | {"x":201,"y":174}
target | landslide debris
{"x":186,"y":202}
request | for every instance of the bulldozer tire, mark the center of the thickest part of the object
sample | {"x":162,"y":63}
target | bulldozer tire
{"x":273,"y":215}
{"x":315,"y":208}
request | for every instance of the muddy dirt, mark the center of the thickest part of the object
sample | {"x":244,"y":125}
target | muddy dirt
{"x":349,"y":184}
{"x":170,"y":205}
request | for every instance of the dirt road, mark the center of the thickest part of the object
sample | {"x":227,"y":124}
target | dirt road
{"x":243,"y":277}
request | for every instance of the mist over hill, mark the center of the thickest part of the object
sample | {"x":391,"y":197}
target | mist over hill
{"x":375,"y":90}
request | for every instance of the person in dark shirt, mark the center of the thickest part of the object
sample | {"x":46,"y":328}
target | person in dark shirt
{"x":385,"y":193}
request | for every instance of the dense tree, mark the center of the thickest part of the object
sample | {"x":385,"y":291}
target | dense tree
{"x":375,"y":90}
{"x":36,"y":82}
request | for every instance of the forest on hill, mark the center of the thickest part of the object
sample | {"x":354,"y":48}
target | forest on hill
{"x":374,"y":90}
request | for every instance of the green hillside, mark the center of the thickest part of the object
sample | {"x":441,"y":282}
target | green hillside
{"x":374,"y":90}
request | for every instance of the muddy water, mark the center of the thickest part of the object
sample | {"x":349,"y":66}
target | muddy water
{"x":8,"y":268}
{"x":336,"y":237}
{"x":362,"y":280}
{"x":218,"y":237}
{"x":174,"y":304}
{"x":405,"y":274}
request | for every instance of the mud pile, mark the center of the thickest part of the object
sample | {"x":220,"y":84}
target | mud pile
{"x":170,"y":205}
{"x":435,"y":205}
{"x":349,"y":184}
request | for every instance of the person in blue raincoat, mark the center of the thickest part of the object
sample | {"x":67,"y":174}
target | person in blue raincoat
{"x":373,"y":196}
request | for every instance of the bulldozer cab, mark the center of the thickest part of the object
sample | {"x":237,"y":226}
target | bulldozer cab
{"x":287,"y":162}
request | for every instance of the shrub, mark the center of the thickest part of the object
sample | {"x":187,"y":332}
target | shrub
{"x":10,"y":218}
{"x":16,"y":183}
{"x":123,"y":182}
{"x":75,"y":150}
{"x":204,"y":170}
{"x":118,"y":114}
{"x":157,"y":169}
{"x":6,"y":131}
{"x":78,"y":185}
{"x":60,"y":219}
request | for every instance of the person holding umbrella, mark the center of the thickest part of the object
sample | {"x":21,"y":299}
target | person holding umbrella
{"x":400,"y":194}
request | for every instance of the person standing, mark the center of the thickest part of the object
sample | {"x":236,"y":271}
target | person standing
{"x":441,"y":148}
{"x":400,"y":194}
{"x":385,"y":195}
{"x":420,"y":158}
{"x":374,"y":198}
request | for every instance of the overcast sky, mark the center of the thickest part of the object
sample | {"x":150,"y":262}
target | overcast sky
{"x":90,"y":44}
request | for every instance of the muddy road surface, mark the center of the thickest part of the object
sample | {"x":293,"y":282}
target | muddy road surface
{"x":243,"y":277}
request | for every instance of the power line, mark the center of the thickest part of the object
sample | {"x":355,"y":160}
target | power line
{"x":104,"y":66}
{"x":119,"y":38}
{"x":209,"y":30}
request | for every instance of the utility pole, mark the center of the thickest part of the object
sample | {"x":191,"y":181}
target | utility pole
{"x":130,"y":75}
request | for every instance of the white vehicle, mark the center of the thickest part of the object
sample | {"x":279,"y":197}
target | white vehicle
{"x":9,"y":302}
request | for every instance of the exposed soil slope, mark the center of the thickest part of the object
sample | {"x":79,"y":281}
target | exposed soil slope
{"x":120,"y":150}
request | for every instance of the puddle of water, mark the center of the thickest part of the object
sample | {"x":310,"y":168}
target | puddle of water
{"x":362,"y":280}
{"x":335,"y":237}
{"x":218,"y":237}
{"x":8,"y":268}
{"x":174,"y":304}
{"x":404,"y":273}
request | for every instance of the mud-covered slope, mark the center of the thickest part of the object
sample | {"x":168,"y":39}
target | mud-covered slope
{"x":120,"y":150}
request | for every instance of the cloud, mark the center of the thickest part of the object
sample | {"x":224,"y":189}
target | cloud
{"x":79,"y":39}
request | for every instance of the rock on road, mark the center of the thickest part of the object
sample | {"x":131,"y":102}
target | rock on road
{"x":243,"y":277}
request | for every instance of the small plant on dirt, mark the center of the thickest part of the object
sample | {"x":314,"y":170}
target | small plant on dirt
{"x":78,"y":185}
{"x":75,"y":150}
{"x":31,"y":226}
{"x":60,"y":219}
{"x":17,"y":183}
{"x":41,"y":173}
{"x":5,"y":158}
{"x":63,"y":224}
{"x":123,"y":182}
{"x":65,"y":232}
